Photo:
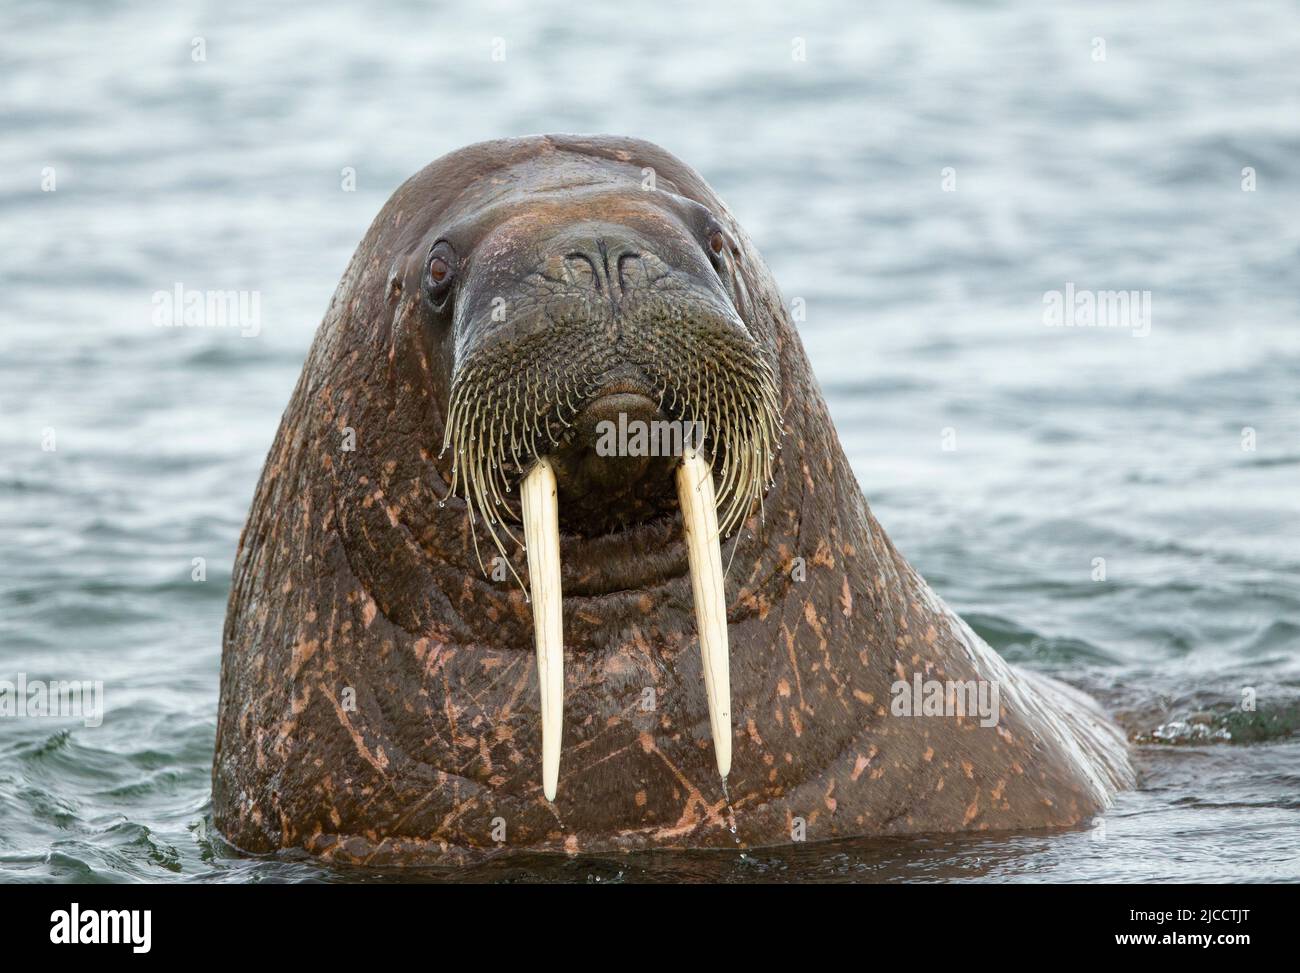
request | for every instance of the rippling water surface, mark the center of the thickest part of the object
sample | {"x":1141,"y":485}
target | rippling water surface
{"x":924,"y":322}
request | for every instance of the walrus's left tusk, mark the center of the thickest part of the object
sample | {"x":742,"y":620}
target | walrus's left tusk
{"x":541,"y":514}
{"x":704,"y":556}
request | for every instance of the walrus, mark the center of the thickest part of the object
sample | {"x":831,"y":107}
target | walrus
{"x":457,"y":626}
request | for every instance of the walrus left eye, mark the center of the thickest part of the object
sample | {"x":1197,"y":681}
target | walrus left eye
{"x":719,"y":244}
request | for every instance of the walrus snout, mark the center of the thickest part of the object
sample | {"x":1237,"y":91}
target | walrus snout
{"x":604,"y":337}
{"x":611,"y":472}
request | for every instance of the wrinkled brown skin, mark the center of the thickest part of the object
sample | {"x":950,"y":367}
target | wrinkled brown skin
{"x":350,"y":575}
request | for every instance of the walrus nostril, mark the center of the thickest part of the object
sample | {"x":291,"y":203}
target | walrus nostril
{"x":631,"y":272}
{"x":581,"y":271}
{"x":620,"y":266}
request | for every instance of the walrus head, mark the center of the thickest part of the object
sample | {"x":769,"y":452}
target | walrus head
{"x":389,"y":693}
{"x":564,"y":304}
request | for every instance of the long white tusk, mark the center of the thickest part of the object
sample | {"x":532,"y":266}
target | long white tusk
{"x":704,"y":556}
{"x":542,"y":539}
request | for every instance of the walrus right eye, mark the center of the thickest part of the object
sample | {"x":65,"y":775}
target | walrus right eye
{"x":441,"y":271}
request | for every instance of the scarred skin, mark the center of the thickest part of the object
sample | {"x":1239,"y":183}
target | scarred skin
{"x":353,"y":582}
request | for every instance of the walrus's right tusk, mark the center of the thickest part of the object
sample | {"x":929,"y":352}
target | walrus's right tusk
{"x":704,"y":557}
{"x":541,"y":515}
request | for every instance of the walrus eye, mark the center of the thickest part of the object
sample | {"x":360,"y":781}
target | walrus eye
{"x":441,"y":271}
{"x":719,"y":244}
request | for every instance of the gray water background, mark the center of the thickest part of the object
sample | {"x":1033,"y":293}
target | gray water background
{"x":924,"y":313}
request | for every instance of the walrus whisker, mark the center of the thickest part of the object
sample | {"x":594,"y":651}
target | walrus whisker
{"x":735,"y":544}
{"x":518,"y":400}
